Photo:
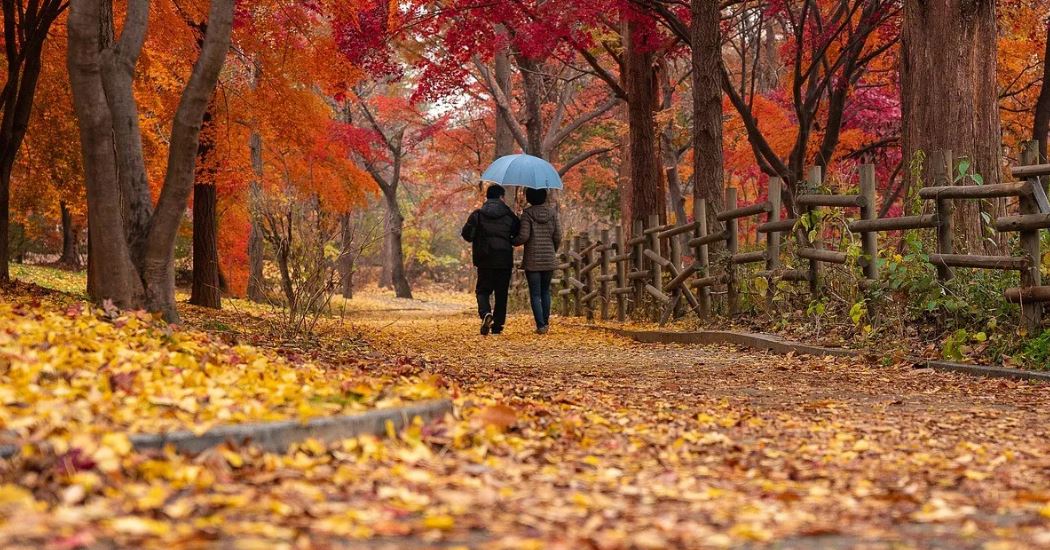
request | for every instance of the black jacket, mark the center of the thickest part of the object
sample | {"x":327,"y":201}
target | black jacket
{"x":491,"y":229}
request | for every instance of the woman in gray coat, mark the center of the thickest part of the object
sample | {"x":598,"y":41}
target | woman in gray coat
{"x":541,"y":235}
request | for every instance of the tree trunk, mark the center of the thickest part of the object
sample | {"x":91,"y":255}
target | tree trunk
{"x":504,"y":134}
{"x":395,"y":253}
{"x":256,"y":245}
{"x":769,"y":64}
{"x":25,"y":30}
{"x":117,"y":65}
{"x":346,"y":257}
{"x":532,"y":80}
{"x":205,"y":290}
{"x":647,"y":190}
{"x":283,"y":253}
{"x":158,"y":264}
{"x":670,"y":152}
{"x":5,"y":218}
{"x":623,"y":181}
{"x":98,"y":76}
{"x":385,"y":280}
{"x":949,"y":97}
{"x":113,"y":277}
{"x":708,"y":170}
{"x":69,"y":256}
{"x":1041,"y":125}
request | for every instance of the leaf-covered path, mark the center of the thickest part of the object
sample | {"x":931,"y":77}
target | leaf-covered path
{"x":613,"y":444}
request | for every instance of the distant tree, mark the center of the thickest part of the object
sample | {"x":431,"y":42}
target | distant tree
{"x":26,"y":27}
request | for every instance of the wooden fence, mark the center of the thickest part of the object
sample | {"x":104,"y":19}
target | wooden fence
{"x":605,"y":273}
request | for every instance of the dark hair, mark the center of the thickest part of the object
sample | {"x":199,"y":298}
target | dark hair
{"x":495,"y":191}
{"x":536,"y":197}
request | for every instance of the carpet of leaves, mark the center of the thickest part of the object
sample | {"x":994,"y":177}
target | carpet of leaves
{"x":614,"y":444}
{"x":581,"y":440}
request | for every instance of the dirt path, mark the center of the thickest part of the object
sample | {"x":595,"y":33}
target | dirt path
{"x":616,"y":444}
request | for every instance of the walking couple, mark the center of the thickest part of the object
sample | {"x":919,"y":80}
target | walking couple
{"x":494,"y":230}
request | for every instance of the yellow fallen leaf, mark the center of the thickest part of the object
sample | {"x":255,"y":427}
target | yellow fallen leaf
{"x":443,"y":522}
{"x":500,"y":416}
{"x":134,"y":525}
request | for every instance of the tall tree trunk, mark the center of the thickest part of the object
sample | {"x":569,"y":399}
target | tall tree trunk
{"x":69,"y":255}
{"x":346,"y":257}
{"x":949,"y":96}
{"x":648,"y":195}
{"x":532,"y":80}
{"x":385,"y":280}
{"x":256,"y":245}
{"x":206,"y":287}
{"x":769,"y":64}
{"x":1041,"y":125}
{"x":98,"y":76}
{"x":5,"y":216}
{"x":670,"y":152}
{"x":112,"y":274}
{"x":623,"y":182}
{"x":395,"y":253}
{"x":708,"y":170}
{"x":504,"y":134}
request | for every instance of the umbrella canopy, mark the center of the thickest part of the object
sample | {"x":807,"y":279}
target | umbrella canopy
{"x":523,"y":171}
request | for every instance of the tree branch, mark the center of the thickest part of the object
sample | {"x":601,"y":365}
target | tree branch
{"x":574,"y":161}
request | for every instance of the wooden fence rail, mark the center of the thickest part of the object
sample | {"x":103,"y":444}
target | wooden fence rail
{"x":672,"y":267}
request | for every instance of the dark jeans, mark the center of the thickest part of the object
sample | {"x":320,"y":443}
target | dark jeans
{"x":493,"y":281}
{"x":540,"y":296}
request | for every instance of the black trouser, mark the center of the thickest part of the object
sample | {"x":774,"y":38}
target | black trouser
{"x":493,"y":281}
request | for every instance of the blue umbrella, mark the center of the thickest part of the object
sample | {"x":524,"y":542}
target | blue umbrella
{"x":523,"y":171}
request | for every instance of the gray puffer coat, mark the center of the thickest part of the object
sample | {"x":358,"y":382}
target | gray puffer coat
{"x":541,"y":234}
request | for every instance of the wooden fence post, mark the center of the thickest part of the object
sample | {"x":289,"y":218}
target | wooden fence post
{"x":813,"y":186}
{"x":566,"y":261}
{"x":1031,"y":310}
{"x":656,"y":272}
{"x":577,"y":267}
{"x":773,"y":237}
{"x":940,"y":173}
{"x":604,"y":276}
{"x":621,"y":275}
{"x":869,"y":211}
{"x":676,"y":261}
{"x":700,"y":215}
{"x":588,"y":278}
{"x":732,"y":246}
{"x":639,"y":263}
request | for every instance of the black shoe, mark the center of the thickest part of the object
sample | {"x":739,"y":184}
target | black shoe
{"x":486,"y":324}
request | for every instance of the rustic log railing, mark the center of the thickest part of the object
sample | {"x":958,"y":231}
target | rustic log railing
{"x":672,"y":267}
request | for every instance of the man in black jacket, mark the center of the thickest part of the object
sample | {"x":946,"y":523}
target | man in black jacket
{"x":491,"y":229}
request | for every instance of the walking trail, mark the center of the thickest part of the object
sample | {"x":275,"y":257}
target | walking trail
{"x":581,"y":439}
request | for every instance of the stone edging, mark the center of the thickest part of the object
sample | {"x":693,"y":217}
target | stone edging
{"x":777,"y":344}
{"x":278,"y":436}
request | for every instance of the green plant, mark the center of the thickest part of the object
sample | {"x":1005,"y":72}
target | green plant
{"x":1037,"y":351}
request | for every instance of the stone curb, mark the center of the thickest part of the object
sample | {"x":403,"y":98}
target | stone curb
{"x":776,"y":344}
{"x":280,"y":435}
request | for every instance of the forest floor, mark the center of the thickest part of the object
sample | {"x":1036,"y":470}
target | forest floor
{"x":577,"y":439}
{"x":612,"y":444}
